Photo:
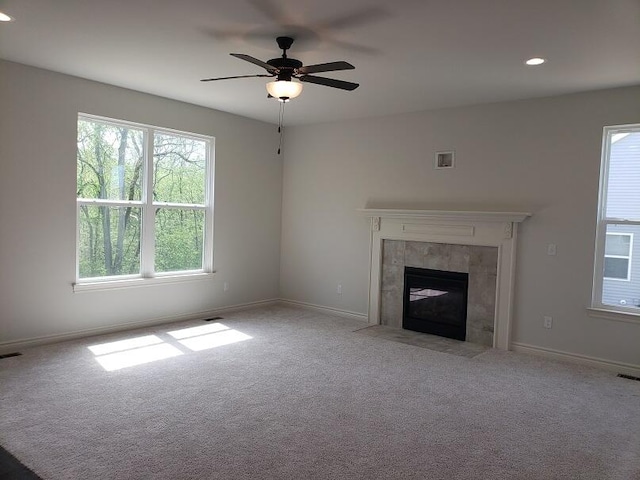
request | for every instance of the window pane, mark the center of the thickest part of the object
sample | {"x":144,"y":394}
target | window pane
{"x":179,"y":169}
{"x":617,"y":245}
{"x":621,"y":283}
{"x":616,"y":267}
{"x":623,"y":182}
{"x":110,"y":161}
{"x":179,"y":239}
{"x":109,"y":241}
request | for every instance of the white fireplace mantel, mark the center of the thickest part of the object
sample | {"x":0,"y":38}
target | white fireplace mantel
{"x":446,"y":215}
{"x":494,"y":229}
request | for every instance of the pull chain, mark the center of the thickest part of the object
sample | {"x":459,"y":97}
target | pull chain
{"x":281,"y":126}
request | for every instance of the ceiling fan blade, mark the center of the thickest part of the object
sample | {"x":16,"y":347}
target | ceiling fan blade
{"x":325,"y":67}
{"x":330,"y":82}
{"x":255,"y":61}
{"x":354,"y":19}
{"x":354,"y":47}
{"x":230,"y":78}
{"x":271,"y":10}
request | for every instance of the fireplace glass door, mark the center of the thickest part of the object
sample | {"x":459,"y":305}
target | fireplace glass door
{"x":435,"y":302}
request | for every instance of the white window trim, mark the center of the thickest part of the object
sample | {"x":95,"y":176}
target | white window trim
{"x":626,"y":257}
{"x":614,"y":315}
{"x":139,"y":281}
{"x":147,"y":276}
{"x":597,"y":308}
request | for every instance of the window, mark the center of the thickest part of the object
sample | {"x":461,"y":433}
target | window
{"x":617,"y":256}
{"x":144,"y":197}
{"x":617,"y":273}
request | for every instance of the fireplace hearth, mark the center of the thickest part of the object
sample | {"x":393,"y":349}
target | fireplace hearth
{"x":435,"y":302}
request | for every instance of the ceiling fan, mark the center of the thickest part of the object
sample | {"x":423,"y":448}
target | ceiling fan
{"x":286,"y":69}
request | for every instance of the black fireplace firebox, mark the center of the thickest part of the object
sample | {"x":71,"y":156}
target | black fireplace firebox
{"x":435,"y":302}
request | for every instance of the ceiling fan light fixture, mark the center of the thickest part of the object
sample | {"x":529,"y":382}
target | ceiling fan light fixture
{"x":284,"y":90}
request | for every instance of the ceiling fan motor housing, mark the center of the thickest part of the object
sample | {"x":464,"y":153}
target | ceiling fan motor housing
{"x":286,"y":67}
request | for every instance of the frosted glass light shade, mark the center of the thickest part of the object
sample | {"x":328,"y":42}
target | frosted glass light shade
{"x":284,"y":90}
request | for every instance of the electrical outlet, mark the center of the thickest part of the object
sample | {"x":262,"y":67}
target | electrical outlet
{"x":551,"y":249}
{"x":339,"y":289}
{"x":548,"y":322}
{"x":225,"y":287}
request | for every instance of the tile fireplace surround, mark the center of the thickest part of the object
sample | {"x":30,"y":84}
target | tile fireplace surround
{"x":447,"y":229}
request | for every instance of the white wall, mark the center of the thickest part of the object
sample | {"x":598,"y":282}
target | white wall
{"x":38,"y":115}
{"x":540,"y":156}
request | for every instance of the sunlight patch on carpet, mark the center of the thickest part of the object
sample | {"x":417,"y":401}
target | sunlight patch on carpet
{"x":212,"y":340}
{"x":200,"y":330}
{"x":137,"y":356}
{"x":150,"y":348}
{"x":208,"y":336}
{"x":137,"y":342}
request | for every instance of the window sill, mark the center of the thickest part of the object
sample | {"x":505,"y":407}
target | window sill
{"x":615,"y":315}
{"x":141,"y":282}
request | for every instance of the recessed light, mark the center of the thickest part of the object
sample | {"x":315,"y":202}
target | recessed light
{"x":5,"y":18}
{"x":535,"y":61}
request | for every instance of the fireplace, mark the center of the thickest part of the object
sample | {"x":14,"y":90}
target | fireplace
{"x":435,"y":302}
{"x":468,"y":240}
{"x":466,"y":271}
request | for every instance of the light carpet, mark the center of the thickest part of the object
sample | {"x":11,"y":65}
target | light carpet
{"x":306,"y":397}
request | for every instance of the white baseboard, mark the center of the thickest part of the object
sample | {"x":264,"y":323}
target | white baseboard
{"x":15,"y":345}
{"x":617,"y":367}
{"x":327,"y":310}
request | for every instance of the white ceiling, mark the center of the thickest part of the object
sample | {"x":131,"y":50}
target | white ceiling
{"x":409,"y":55}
